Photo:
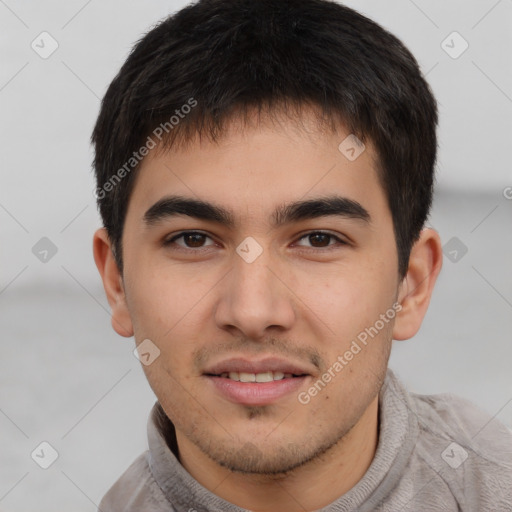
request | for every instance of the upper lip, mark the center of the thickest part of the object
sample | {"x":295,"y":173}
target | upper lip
{"x":270,"y":364}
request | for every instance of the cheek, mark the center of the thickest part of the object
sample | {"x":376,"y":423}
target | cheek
{"x":162,"y":297}
{"x":349,"y":298}
{"x":171,"y":307}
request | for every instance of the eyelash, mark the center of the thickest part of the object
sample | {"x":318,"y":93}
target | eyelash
{"x":172,"y":240}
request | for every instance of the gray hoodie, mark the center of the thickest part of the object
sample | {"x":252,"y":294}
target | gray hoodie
{"x":435,"y":453}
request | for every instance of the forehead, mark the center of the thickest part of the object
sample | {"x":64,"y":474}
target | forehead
{"x":262,"y":162}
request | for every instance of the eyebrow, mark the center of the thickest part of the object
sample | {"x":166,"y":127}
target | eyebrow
{"x":334,"y":205}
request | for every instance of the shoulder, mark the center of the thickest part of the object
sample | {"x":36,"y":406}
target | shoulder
{"x":468,"y":449}
{"x":135,"y":490}
{"x":447,"y":415}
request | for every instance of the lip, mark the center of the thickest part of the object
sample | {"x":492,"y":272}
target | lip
{"x":268,"y":364}
{"x":256,"y":393}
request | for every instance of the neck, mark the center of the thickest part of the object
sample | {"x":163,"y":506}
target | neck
{"x":309,"y":487}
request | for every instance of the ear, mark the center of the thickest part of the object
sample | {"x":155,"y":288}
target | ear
{"x":112,"y":282}
{"x":416,"y":288}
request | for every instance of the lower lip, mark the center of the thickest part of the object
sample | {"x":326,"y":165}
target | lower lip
{"x":256,"y":393}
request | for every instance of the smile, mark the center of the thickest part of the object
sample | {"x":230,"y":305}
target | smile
{"x":268,"y":376}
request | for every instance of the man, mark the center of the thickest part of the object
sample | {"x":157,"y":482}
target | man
{"x":264,"y":173}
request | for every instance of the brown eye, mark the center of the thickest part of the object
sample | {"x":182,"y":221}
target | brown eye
{"x":190,"y":240}
{"x":194,"y":239}
{"x":319,"y":240}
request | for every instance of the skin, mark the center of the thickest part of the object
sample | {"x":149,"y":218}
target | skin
{"x":303,"y":299}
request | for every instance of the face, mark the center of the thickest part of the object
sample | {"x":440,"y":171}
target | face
{"x":257,"y":287}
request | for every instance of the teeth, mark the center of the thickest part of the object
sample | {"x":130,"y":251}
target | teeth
{"x":256,"y":377}
{"x":264,"y":377}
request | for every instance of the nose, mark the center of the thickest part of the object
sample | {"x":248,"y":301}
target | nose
{"x":254,"y":298}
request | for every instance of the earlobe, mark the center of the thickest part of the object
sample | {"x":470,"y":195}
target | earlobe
{"x":112,"y":283}
{"x":416,"y":289}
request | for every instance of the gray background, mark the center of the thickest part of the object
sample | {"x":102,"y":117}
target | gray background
{"x":68,"y":379}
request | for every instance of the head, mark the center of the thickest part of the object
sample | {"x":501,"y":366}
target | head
{"x":241,"y":234}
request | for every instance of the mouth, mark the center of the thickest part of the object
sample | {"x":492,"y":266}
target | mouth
{"x":254,"y":383}
{"x":268,"y":376}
